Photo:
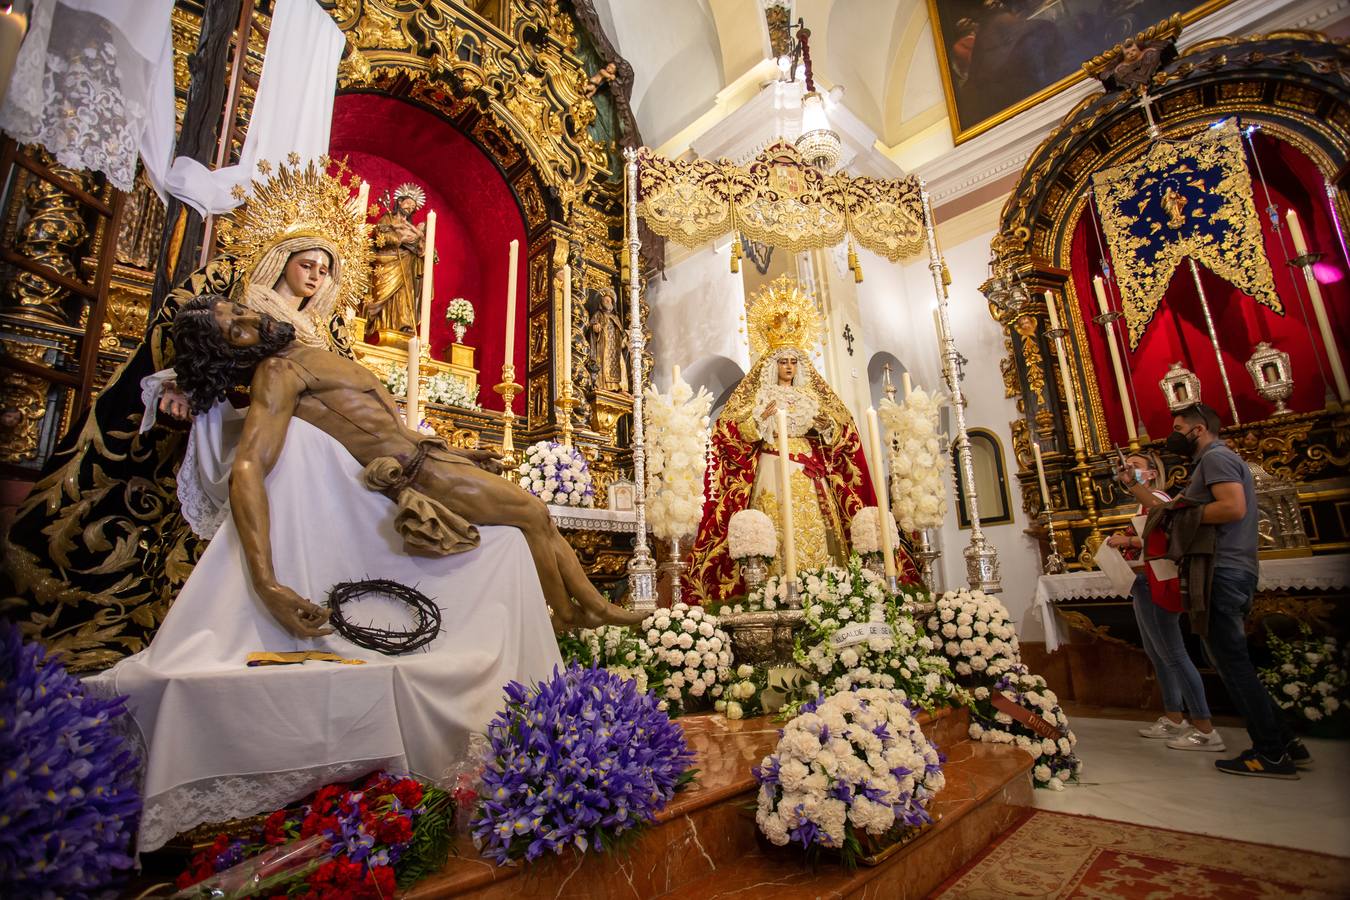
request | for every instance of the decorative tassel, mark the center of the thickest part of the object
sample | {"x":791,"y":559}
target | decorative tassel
{"x":736,"y":255}
{"x":854,"y":266}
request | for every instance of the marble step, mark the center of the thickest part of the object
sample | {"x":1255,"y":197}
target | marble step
{"x":706,"y":831}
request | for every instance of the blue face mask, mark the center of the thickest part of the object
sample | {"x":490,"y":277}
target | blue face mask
{"x":1140,"y":477}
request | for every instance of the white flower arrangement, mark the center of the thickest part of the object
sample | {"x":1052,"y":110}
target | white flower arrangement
{"x":691,"y":656}
{"x":852,"y":772}
{"x":1056,"y":763}
{"x":866,"y":531}
{"x":856,"y":634}
{"x":557,"y":474}
{"x":973,"y":629}
{"x":918,"y":462}
{"x":614,"y":647}
{"x":460,"y":311}
{"x":1308,"y":676}
{"x":396,"y":379}
{"x":677,"y":433}
{"x":443,"y":388}
{"x":743,"y":696}
{"x":751,"y":533}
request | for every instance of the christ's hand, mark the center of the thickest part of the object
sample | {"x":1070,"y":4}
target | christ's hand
{"x":296,"y":614}
{"x":487,"y":460}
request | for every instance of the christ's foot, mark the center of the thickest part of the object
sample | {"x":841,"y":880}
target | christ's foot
{"x":606,"y":614}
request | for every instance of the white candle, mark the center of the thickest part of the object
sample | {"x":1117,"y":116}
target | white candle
{"x":674,"y":376}
{"x":428,"y":259}
{"x":511,"y":303}
{"x":567,"y":328}
{"x":1122,"y":386}
{"x":906,"y":384}
{"x":1319,"y":310}
{"x":363,"y":201}
{"x":785,"y":500}
{"x":414,"y":383}
{"x":1040,"y":473}
{"x":883,"y":499}
{"x":1065,"y":376}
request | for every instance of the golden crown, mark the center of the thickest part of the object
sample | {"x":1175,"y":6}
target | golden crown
{"x":302,"y":202}
{"x":781,"y":314}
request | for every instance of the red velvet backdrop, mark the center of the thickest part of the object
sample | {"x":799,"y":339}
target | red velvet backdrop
{"x":388,"y":142}
{"x":1178,"y":332}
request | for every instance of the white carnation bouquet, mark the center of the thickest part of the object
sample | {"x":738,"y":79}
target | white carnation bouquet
{"x":975,"y":632}
{"x":852,"y":772}
{"x":1056,"y":763}
{"x":1307,"y":677}
{"x":691,"y":659}
{"x":751,"y":533}
{"x":556,"y":473}
{"x":866,"y":531}
{"x":856,"y":634}
{"x":450,"y":390}
{"x":459,"y":311}
{"x":918,"y":462}
{"x":614,"y":647}
{"x":677,"y":433}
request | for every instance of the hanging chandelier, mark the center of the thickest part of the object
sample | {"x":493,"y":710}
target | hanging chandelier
{"x":819,"y":144}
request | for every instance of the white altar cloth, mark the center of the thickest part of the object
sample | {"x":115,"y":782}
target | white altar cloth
{"x":226,"y":741}
{"x":1299,"y":573}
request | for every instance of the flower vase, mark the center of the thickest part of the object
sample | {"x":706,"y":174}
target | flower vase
{"x":755,"y":570}
{"x":459,"y":329}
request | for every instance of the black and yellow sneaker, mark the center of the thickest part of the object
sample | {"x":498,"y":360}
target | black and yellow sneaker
{"x":1258,"y":765}
{"x":1298,"y":754}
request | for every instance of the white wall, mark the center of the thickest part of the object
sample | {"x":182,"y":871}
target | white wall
{"x":696,"y":310}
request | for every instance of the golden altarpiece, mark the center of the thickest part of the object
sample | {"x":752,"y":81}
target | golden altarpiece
{"x":515,"y":82}
{"x":1287,"y":90}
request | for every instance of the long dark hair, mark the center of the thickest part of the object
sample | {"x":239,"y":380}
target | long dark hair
{"x":205,"y":365}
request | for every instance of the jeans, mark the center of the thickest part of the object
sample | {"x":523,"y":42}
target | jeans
{"x":1230,"y":600}
{"x":1161,"y":634}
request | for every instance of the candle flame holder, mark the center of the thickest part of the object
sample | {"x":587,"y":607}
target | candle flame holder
{"x":565,"y":404}
{"x":1107,"y":318}
{"x":1310,"y":258}
{"x":508,"y":389}
{"x":1054,"y":562}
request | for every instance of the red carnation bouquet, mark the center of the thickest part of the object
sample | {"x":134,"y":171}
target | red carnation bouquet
{"x":351,"y":840}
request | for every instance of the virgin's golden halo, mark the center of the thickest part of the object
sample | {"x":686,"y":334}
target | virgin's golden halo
{"x":782,"y":314}
{"x":296,"y":202}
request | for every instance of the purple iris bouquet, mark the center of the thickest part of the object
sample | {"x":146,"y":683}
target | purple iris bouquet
{"x":576,"y":762}
{"x":557,"y":474}
{"x":68,"y":796}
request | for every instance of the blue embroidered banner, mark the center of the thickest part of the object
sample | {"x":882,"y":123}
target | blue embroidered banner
{"x":1184,"y":198}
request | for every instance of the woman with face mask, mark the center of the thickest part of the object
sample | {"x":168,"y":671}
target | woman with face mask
{"x":1157,"y":609}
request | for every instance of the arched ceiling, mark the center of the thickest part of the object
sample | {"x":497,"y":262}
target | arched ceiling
{"x":685,"y":54}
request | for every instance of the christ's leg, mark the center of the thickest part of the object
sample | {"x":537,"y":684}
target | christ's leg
{"x":595,"y":608}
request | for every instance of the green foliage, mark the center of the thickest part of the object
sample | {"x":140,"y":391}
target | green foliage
{"x":430,"y":847}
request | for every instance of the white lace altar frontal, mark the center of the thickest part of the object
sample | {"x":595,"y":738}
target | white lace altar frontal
{"x":223,"y":740}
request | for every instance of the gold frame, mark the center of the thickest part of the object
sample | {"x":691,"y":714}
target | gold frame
{"x":960,"y":136}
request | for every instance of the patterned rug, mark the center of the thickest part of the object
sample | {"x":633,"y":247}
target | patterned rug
{"x":1056,"y":855}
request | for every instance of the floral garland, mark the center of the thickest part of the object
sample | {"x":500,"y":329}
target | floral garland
{"x":577,"y":761}
{"x":556,"y":473}
{"x":866,"y":531}
{"x":1056,"y":762}
{"x":751,"y":533}
{"x":459,"y":311}
{"x":691,"y":656}
{"x":442,"y":388}
{"x":856,"y":634}
{"x":851,"y":772}
{"x":1308,"y":676}
{"x":974,"y":630}
{"x":615,"y":648}
{"x":382,"y":833}
{"x":677,"y":434}
{"x":918,"y":492}
{"x":68,"y":797}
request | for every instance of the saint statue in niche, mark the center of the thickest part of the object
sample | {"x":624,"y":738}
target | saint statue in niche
{"x":396,"y":283}
{"x":609,"y":344}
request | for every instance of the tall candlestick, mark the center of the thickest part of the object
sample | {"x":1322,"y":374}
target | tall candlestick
{"x":428,"y":259}
{"x":511,"y":304}
{"x":567,"y":329}
{"x":1122,"y":386}
{"x":1040,"y":473}
{"x":906,"y":384}
{"x":414,"y":383}
{"x":1319,"y":308}
{"x":886,"y":523}
{"x":1066,"y":377}
{"x":785,"y":498}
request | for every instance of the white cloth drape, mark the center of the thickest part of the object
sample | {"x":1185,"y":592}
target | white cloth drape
{"x":226,"y":741}
{"x":93,"y":83}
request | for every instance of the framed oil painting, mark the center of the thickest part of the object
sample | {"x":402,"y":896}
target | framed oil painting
{"x":999,"y":57}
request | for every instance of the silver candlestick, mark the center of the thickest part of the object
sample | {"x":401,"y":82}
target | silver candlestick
{"x":1054,"y":563}
{"x":641,"y":568}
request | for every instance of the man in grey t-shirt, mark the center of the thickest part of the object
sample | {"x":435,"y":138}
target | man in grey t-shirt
{"x":1222,"y":484}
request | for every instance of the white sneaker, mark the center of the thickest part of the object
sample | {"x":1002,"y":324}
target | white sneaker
{"x":1197,"y":740}
{"x":1165,"y":729}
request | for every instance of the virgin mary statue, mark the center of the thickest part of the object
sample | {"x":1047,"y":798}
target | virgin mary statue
{"x":112,"y":530}
{"x":827,"y":470}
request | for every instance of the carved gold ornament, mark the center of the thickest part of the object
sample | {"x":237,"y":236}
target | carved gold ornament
{"x":303,"y":202}
{"x":782,"y":315}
